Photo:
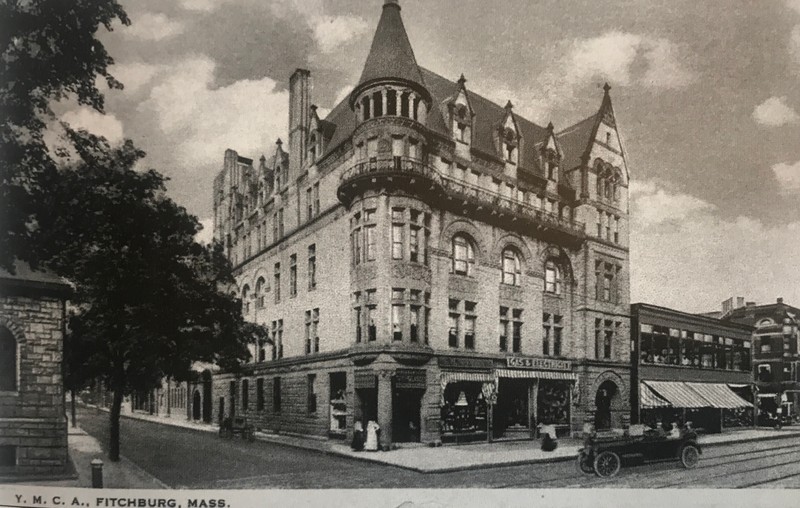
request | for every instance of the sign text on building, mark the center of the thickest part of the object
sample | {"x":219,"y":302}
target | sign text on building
{"x":526,"y":362}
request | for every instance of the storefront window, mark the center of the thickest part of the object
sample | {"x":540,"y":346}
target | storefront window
{"x":464,"y":408}
{"x":553,"y":402}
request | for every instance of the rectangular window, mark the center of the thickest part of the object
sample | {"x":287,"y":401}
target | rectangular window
{"x":413,"y":243}
{"x":516,"y":344}
{"x":357,"y":315}
{"x":8,"y":456}
{"x":608,"y":339}
{"x":312,"y":394}
{"x":277,"y":277}
{"x":245,"y":394}
{"x":372,"y":333}
{"x":308,"y":332}
{"x":260,"y":394}
{"x":453,"y":318}
{"x":414,"y":323}
{"x":280,"y":222}
{"x":397,"y":241}
{"x":426,"y":317}
{"x":503,"y":329}
{"x":557,"y":329}
{"x":312,"y":267}
{"x":369,"y":232}
{"x":599,"y":223}
{"x":293,"y":275}
{"x":275,"y":236}
{"x":316,"y":199}
{"x":356,"y":239}
{"x":309,"y":206}
{"x":276,"y":395}
{"x":397,"y":322}
{"x":616,"y":229}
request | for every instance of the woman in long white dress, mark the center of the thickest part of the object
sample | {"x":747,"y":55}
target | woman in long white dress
{"x":372,"y":436}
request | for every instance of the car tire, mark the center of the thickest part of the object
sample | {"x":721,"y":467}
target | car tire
{"x":606,"y":464}
{"x":690,"y":456}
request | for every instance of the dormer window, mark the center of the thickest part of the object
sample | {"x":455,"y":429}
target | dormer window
{"x":312,"y":151}
{"x":510,"y":152}
{"x":608,"y":138}
{"x":462,"y":132}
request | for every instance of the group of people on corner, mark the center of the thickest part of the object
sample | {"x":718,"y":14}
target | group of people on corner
{"x":368,"y":440}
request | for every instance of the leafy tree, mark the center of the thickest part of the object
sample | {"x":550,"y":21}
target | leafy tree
{"x":149,"y":299}
{"x":48,"y":51}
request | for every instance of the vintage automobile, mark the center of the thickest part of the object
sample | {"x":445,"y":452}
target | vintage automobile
{"x":604,"y":452}
{"x":237,"y":425}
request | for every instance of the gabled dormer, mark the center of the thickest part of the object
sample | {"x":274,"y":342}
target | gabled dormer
{"x":551,"y":154}
{"x":461,"y":116}
{"x":508,"y":140}
{"x":280,"y":166}
{"x":314,"y":146}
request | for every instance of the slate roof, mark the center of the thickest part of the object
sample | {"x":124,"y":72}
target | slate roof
{"x":391,"y":55}
{"x":575,"y":140}
{"x":40,"y":280}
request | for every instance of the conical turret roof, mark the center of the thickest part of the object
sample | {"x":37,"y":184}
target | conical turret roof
{"x":391,"y":55}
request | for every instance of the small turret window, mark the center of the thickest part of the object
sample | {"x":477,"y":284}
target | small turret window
{"x":377,"y":104}
{"x":391,"y":102}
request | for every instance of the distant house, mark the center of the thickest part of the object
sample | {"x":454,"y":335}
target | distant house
{"x":33,"y":426}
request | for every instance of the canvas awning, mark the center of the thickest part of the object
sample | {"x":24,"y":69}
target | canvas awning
{"x":648,"y":399}
{"x":536,"y":374}
{"x":482,"y":377}
{"x":678,"y":394}
{"x":719,"y":395}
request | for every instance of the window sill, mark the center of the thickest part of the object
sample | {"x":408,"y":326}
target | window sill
{"x":9,"y":393}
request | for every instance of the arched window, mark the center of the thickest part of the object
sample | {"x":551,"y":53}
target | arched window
{"x":246,"y":299}
{"x":512,"y":271}
{"x":552,"y":277}
{"x":463,"y":254}
{"x":260,"y":292}
{"x":8,"y":361}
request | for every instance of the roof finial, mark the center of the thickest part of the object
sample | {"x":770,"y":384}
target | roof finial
{"x":395,"y":3}
{"x":550,"y":127}
{"x":279,"y":142}
{"x":509,"y":105}
{"x":606,"y":88}
{"x":462,"y":79}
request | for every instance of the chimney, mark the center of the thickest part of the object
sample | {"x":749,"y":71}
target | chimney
{"x":739,"y":302}
{"x":299,"y":92}
{"x":750,"y":304}
{"x":780,"y":299}
{"x":231,"y":167}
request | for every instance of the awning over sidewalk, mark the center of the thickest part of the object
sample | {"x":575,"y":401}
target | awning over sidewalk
{"x":678,"y":394}
{"x":482,"y":377}
{"x":719,"y":395}
{"x":648,"y":399}
{"x":697,"y":395}
{"x":536,"y":374}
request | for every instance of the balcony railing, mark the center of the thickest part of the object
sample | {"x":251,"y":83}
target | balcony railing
{"x":445,"y":187}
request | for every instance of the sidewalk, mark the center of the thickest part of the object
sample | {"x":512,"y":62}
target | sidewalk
{"x":448,"y":458}
{"x":124,"y":474}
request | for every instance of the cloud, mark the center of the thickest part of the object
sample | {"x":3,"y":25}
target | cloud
{"x":242,"y":115}
{"x":774,"y":112}
{"x":665,"y":67}
{"x":331,"y":32}
{"x":788,"y":175}
{"x":794,"y":5}
{"x":205,"y":235}
{"x":794,"y":46}
{"x":106,"y":125}
{"x":199,"y":5}
{"x":153,"y":27}
{"x":695,"y":262}
{"x":134,"y":75}
{"x":608,"y":56}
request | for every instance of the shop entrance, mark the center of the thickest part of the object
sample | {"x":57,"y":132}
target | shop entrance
{"x":606,"y":395}
{"x":512,"y":416}
{"x":406,"y":411}
{"x":366,"y":405}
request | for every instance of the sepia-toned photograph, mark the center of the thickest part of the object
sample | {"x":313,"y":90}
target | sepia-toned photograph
{"x":310,"y":246}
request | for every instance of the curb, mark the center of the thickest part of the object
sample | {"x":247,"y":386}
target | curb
{"x":752,"y":439}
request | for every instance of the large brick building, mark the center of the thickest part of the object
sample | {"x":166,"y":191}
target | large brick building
{"x":33,"y":425}
{"x":421,"y":245}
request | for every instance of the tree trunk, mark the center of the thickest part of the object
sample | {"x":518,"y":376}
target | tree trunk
{"x":116,"y":408}
{"x":72,"y":406}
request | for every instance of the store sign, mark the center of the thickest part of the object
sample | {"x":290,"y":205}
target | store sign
{"x":526,"y":362}
{"x":365,"y":380}
{"x":410,"y":379}
{"x":459,"y":363}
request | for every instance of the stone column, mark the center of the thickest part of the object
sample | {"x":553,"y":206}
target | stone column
{"x":385,"y":99}
{"x":422,"y":112}
{"x":385,"y":408}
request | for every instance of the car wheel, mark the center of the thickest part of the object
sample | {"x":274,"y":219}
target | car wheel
{"x":690,"y":456}
{"x":584,"y":464}
{"x":606,"y":464}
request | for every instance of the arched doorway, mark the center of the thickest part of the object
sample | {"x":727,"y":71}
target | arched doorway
{"x":196,"y":405}
{"x":606,"y":396}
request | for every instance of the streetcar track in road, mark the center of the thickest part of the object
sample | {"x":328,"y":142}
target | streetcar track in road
{"x":727,"y":473}
{"x":771,"y":480}
{"x":706,"y":464}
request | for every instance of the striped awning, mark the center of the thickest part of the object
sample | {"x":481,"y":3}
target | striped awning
{"x":536,"y":374}
{"x":648,"y":399}
{"x":483,"y":377}
{"x":719,"y":395}
{"x":678,"y":394}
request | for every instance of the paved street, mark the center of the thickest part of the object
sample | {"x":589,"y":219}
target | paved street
{"x":191,"y":459}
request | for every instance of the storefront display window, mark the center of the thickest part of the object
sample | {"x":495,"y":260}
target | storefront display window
{"x":553,"y":402}
{"x":464,"y":408}
{"x":338,"y":403}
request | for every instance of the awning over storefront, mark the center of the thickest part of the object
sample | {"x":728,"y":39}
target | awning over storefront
{"x":451,"y":377}
{"x":696,"y":395}
{"x":536,"y":374}
{"x":719,"y":395}
{"x":648,"y":399}
{"x":678,"y":394}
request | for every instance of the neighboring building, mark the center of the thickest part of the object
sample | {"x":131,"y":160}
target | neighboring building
{"x":690,"y":367}
{"x":420,"y":247}
{"x":33,"y":425}
{"x":776,"y":351}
